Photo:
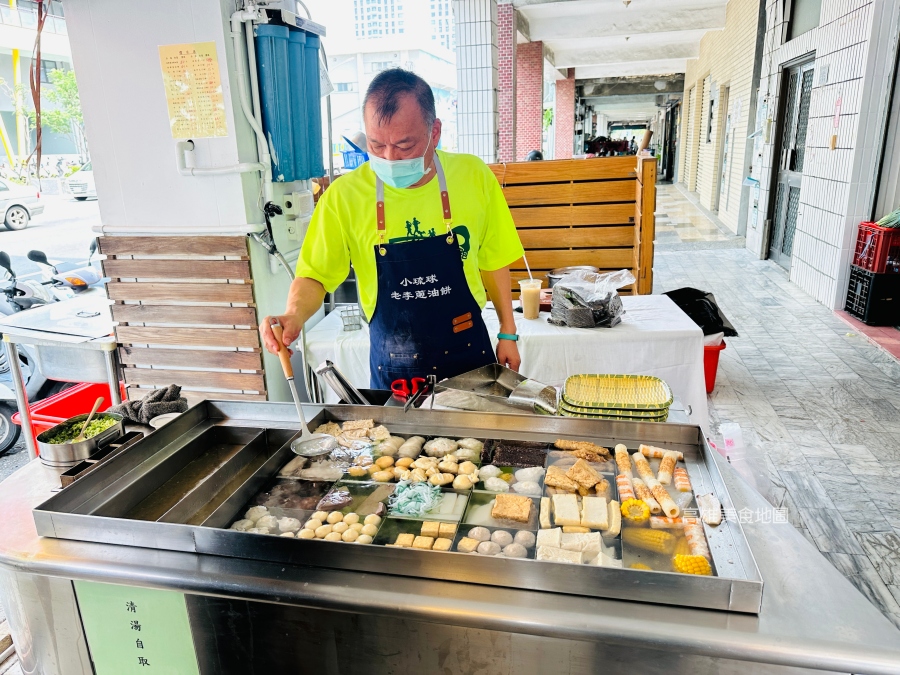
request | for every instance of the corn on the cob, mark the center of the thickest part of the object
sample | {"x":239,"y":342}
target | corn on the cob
{"x":642,"y":466}
{"x":640,"y":566}
{"x":666,"y":467}
{"x":657,"y":541}
{"x":682,"y":547}
{"x":626,"y":492}
{"x":693,"y":532}
{"x":669,"y":507}
{"x":657,"y":453}
{"x":623,"y":460}
{"x":691,"y":564}
{"x":682,"y":480}
{"x":635,"y":511}
{"x":643,"y":493}
{"x":659,"y":523}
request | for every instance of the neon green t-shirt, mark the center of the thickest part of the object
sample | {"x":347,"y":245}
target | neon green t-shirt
{"x":343,"y":229}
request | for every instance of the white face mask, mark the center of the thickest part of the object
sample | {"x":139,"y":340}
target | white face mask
{"x":400,"y":173}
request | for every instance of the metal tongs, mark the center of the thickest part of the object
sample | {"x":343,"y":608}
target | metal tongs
{"x":428,"y":388}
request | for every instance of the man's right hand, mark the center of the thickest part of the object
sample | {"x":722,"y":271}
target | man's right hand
{"x":290,"y":325}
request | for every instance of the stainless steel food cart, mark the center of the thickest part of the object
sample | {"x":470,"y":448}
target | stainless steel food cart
{"x":252,"y":603}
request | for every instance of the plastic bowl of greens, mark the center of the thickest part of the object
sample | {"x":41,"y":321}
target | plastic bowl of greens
{"x":57,"y":449}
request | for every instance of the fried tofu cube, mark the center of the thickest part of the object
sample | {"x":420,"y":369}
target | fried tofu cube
{"x":442,"y":544}
{"x":557,"y":478}
{"x":512,"y":507}
{"x":446,"y":530}
{"x":431,"y":528}
{"x":584,"y":474}
{"x":467,"y":545}
{"x":424,"y":543}
{"x":405,"y":540}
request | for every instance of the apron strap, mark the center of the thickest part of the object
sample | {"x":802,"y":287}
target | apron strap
{"x":445,"y":204}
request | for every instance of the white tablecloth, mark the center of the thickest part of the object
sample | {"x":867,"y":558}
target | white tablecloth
{"x":654,"y":338}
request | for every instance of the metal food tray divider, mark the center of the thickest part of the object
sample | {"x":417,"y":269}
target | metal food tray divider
{"x":177,"y":487}
{"x":495,"y":388}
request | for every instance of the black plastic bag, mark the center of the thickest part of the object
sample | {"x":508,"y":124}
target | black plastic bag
{"x":701,"y":306}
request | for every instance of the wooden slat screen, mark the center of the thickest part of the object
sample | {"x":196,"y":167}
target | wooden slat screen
{"x":185,"y":315}
{"x":583,"y":212}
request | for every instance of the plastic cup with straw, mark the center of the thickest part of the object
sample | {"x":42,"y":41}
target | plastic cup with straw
{"x":530,"y":294}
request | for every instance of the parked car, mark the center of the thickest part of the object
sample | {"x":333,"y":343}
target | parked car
{"x":19,"y":203}
{"x":81,"y":183}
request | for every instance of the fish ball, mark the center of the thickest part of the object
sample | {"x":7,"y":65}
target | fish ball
{"x":269,"y":522}
{"x":306,"y":534}
{"x":385,"y":462}
{"x":502,"y":537}
{"x":364,"y":539}
{"x":320,"y":515}
{"x":288,"y":534}
{"x":313,"y":524}
{"x":334,"y":517}
{"x":357,"y":526}
{"x":372,"y":519}
{"x":322,"y":532}
{"x":349,"y":536}
{"x":524,"y":538}
{"x":480,"y":534}
{"x":370,"y":530}
{"x":488,"y":548}
{"x":333,"y":536}
{"x":242,"y":525}
{"x":515,"y":551}
{"x":351,"y":518}
{"x":340,"y":528}
{"x":254,"y":513}
{"x":288,"y":524}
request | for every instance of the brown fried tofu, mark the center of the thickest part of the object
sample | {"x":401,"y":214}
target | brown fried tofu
{"x":512,"y":507}
{"x":584,"y":474}
{"x":557,"y":478}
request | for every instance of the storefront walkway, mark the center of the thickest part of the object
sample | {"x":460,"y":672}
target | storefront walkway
{"x":819,"y":406}
{"x":681,"y":225}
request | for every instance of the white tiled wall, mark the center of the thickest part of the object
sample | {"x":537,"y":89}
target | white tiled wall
{"x":853,"y":49}
{"x":477,"y":116}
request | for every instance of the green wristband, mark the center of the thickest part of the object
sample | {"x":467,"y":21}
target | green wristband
{"x":508,"y":336}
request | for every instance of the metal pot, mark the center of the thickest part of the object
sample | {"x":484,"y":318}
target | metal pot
{"x":69,"y":454}
{"x":555,"y":275}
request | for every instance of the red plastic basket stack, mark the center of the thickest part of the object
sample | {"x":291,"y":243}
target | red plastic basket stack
{"x":877,"y":249}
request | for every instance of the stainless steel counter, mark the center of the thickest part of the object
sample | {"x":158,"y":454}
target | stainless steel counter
{"x":340,"y":621}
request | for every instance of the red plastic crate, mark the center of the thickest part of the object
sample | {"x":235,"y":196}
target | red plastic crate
{"x":77,"y":400}
{"x":877,"y":248}
{"x":711,"y":364}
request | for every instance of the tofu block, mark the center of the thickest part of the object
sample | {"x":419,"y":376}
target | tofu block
{"x":559,"y":555}
{"x":431,"y":528}
{"x":467,"y":545}
{"x":512,"y":507}
{"x":405,"y":540}
{"x":446,"y":530}
{"x":442,"y":544}
{"x":615,"y":519}
{"x":584,"y":474}
{"x":557,"y":478}
{"x":424,"y":543}
{"x":594,"y":513}
{"x":549,"y":538}
{"x":585,"y":543}
{"x":565,"y":510}
{"x":545,"y":512}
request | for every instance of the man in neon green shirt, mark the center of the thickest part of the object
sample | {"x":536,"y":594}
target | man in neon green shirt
{"x":426,"y":232}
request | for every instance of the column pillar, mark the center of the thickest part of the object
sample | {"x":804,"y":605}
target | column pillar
{"x":506,"y":93}
{"x":477,"y":117}
{"x":529,"y":97}
{"x":565,"y":116}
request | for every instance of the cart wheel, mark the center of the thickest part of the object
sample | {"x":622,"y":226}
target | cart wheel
{"x":9,"y":432}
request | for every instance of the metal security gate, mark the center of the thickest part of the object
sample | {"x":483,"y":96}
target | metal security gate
{"x":796,"y":90}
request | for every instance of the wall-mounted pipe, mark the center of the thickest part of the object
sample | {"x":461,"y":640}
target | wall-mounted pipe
{"x":186,"y":163}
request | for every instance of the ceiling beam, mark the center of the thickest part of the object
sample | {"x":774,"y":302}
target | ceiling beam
{"x":624,"y":22}
{"x":624,"y":53}
{"x":653,"y":67}
{"x":624,"y":86}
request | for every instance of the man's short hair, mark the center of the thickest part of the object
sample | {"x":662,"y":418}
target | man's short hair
{"x":389,"y":86}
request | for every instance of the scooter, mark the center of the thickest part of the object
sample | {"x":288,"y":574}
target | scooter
{"x":17,"y":296}
{"x":75,"y":276}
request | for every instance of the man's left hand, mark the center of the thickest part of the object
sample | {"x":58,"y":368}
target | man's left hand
{"x":508,"y":354}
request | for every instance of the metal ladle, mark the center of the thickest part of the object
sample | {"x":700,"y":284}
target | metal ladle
{"x":308,"y":444}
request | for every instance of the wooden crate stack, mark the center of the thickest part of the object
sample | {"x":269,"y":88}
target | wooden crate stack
{"x":185,"y":314}
{"x":583,"y":212}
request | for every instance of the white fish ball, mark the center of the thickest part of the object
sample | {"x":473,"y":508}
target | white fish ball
{"x":488,"y":548}
{"x":524,"y":538}
{"x":501,"y":537}
{"x":480,"y":534}
{"x":515,"y":551}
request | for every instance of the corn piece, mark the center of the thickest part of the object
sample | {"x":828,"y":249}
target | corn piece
{"x":658,"y":541}
{"x":640,"y":566}
{"x":691,"y":564}
{"x":635,"y":512}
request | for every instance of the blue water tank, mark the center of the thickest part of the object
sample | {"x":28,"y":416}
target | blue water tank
{"x":314,"y":105}
{"x":299,"y":118}
{"x":273,"y":66}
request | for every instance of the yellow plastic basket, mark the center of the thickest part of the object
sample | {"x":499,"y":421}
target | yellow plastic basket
{"x":630,"y":392}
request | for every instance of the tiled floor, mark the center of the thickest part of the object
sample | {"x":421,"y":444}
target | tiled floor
{"x":678,"y":221}
{"x":886,"y":337}
{"x":819,"y":406}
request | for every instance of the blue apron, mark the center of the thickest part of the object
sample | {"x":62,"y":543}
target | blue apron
{"x":426,"y":321}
